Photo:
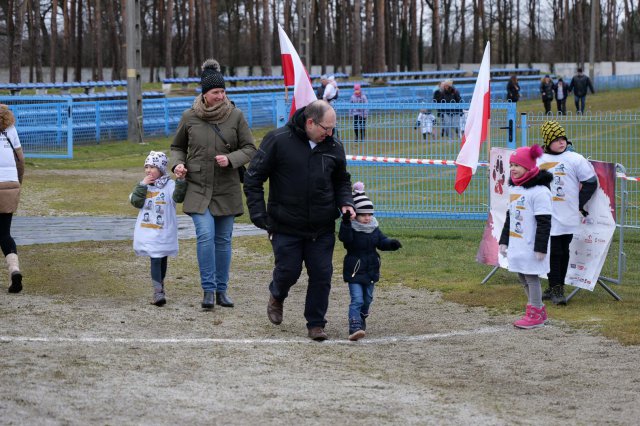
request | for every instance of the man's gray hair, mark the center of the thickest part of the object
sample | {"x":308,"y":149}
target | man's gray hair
{"x":316,"y":110}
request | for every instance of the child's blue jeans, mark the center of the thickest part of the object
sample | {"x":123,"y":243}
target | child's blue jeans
{"x":361,"y":298}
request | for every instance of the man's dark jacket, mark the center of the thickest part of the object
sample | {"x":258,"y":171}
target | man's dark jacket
{"x":579,"y":85}
{"x":307,"y":186}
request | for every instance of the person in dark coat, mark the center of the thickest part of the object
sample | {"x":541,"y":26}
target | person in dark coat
{"x":546,"y":91}
{"x":309,"y":187}
{"x":579,"y":85}
{"x":513,"y":89}
{"x":448,"y":94}
{"x":561,"y":92}
{"x":361,"y":269}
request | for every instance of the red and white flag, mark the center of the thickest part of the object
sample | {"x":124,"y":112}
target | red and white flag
{"x":295,"y":74}
{"x":476,"y":129}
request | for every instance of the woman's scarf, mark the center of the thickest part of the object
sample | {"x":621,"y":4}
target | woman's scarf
{"x":217,"y":113}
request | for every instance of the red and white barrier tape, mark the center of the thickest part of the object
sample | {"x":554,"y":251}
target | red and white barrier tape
{"x":625,"y":177}
{"x":406,"y":160}
{"x":429,"y":162}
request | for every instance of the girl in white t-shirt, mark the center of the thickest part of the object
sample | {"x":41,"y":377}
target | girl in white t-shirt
{"x":156,"y":196}
{"x":526,"y":230}
{"x":574,"y":182}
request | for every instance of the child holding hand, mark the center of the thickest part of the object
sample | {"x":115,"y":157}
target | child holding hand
{"x":527,"y":228}
{"x":157,"y":236}
{"x":361,"y":237}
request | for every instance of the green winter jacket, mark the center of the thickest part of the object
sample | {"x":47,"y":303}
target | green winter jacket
{"x":196,"y":145}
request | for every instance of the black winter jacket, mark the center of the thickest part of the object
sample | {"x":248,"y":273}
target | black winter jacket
{"x":362,"y":261}
{"x":307,"y":186}
{"x":579,"y":85}
{"x":543,"y":221}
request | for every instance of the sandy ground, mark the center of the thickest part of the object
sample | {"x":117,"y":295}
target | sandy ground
{"x":70,"y":359}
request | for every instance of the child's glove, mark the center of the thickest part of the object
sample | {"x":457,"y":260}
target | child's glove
{"x":395,"y":244}
{"x":540,"y":256}
{"x":584,"y":213}
{"x":503,"y":249}
{"x":346,"y":217}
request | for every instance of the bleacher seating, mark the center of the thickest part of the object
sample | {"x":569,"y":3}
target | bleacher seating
{"x":64,"y":87}
{"x":510,"y":71}
{"x":415,"y":74}
{"x":186,"y":81}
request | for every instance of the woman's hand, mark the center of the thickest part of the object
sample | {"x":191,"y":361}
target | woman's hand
{"x":222,"y":160}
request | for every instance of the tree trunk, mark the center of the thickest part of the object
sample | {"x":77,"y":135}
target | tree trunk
{"x":356,"y":39}
{"x":191,"y":39}
{"x":414,"y":64}
{"x":369,"y":41}
{"x":97,"y":23}
{"x":77,"y":74}
{"x":476,"y":32}
{"x":168,"y":38}
{"x":20,"y":10}
{"x":379,"y":60}
{"x":437,"y":46}
{"x":113,"y":39}
{"x":37,"y":40}
{"x":266,"y":39}
{"x":54,"y":41}
{"x":463,"y":35}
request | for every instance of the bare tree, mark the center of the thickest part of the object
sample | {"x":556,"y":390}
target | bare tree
{"x":37,"y":40}
{"x":356,"y":39}
{"x":20,"y":11}
{"x":77,"y":72}
{"x":54,"y":41}
{"x":97,"y":27}
{"x":379,"y":59}
{"x":414,"y":63}
{"x":168,"y":40}
{"x":266,"y":39}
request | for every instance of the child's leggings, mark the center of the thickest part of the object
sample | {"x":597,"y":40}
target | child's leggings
{"x":6,"y":241}
{"x":158,"y":269}
{"x":532,"y":288}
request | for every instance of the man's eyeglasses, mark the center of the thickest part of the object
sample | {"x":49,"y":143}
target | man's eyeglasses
{"x":326,"y":129}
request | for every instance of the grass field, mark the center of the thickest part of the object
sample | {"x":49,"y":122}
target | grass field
{"x":437,"y":260}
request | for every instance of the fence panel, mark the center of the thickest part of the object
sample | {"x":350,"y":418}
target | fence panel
{"x":45,"y":129}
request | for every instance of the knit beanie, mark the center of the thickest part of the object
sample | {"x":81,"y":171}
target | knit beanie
{"x":211,"y":77}
{"x":552,"y":130}
{"x":362,"y":202}
{"x":157,"y":159}
{"x":526,"y":157}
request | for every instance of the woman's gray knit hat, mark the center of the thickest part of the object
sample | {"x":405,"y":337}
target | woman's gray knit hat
{"x":211,"y":77}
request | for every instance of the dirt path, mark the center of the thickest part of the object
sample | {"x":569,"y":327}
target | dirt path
{"x":81,"y":360}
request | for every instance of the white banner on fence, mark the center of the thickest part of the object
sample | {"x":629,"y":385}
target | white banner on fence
{"x":590,"y":244}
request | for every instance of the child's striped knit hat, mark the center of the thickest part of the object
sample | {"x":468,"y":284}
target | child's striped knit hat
{"x":362,"y":202}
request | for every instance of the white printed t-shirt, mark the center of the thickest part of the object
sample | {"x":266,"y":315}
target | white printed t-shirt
{"x":156,"y":231}
{"x":525,"y":204}
{"x":568,"y":170}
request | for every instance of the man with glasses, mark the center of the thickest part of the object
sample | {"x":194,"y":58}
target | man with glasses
{"x":309,"y":188}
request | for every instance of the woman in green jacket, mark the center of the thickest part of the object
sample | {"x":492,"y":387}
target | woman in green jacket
{"x":212,"y":143}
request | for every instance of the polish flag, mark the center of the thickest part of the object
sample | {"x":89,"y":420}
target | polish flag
{"x":476,"y":129}
{"x":295,"y":74}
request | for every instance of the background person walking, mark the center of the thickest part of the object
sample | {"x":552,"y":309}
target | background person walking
{"x":11,"y":174}
{"x":359,"y":114}
{"x":561,"y":92}
{"x":579,"y":85}
{"x":546,"y":92}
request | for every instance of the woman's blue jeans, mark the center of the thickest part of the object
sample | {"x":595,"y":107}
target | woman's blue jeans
{"x":361,"y":298}
{"x":213,"y":236}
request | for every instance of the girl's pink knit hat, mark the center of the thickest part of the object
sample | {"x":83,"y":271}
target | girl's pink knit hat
{"x":526,"y":156}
